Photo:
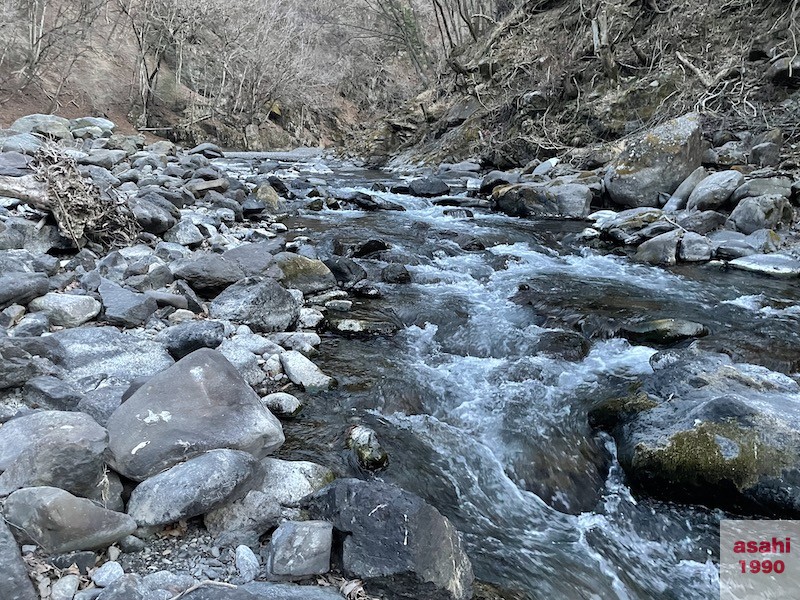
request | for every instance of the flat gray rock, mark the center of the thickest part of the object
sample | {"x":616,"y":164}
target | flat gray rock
{"x":59,"y":522}
{"x":94,"y":351}
{"x":300,"y":549}
{"x":201,"y":403}
{"x":778,"y":265}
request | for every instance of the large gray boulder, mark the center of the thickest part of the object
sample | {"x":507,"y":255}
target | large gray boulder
{"x":104,"y":351}
{"x":53,"y":448}
{"x":570,"y":200}
{"x":706,"y":430}
{"x":59,"y":522}
{"x":655,"y":163}
{"x":192,"y":488}
{"x":714,"y":190}
{"x":397,"y":544}
{"x":264,"y":305}
{"x":761,"y":212}
{"x":14,"y":581}
{"x":201,"y":403}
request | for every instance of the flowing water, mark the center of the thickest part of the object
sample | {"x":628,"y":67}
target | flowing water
{"x":491,"y":430}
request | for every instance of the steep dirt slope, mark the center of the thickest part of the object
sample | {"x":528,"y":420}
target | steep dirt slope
{"x":564,"y":74}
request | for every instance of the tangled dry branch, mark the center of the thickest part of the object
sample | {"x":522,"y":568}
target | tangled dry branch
{"x":83,"y":214}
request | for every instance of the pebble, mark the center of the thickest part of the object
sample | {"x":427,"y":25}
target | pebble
{"x":246,"y":564}
{"x":340,"y":305}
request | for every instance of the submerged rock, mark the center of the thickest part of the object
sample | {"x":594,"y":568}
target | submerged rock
{"x":663,"y":331}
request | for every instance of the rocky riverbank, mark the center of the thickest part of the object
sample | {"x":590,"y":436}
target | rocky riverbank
{"x":142,"y":388}
{"x":157,"y":341}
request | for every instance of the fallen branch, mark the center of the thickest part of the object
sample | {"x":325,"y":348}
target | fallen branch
{"x":27,"y":188}
{"x":704,"y":77}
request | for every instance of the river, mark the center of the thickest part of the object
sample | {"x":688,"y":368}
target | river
{"x":492,"y":430}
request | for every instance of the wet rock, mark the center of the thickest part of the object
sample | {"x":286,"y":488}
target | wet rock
{"x":395,"y":542}
{"x":282,"y":404}
{"x":21,"y":288}
{"x":679,"y":197}
{"x":123,"y":307}
{"x":192,"y":488}
{"x":66,"y":310}
{"x":183,"y":339}
{"x":167,"y":419}
{"x":346,"y":271}
{"x":663,"y":331}
{"x":305,"y":373}
{"x":263,"y":305}
{"x":305,"y":274}
{"x":89,"y":352}
{"x":564,"y":345}
{"x":762,"y":212}
{"x":569,"y":200}
{"x":301,"y":341}
{"x":428,"y":187}
{"x":661,"y":250}
{"x":14,"y":581}
{"x":694,"y":247}
{"x":207,"y":273}
{"x":395,"y":273}
{"x":655,"y":163}
{"x":714,"y":190}
{"x":363,"y":441}
{"x":778,"y":265}
{"x":300,"y":549}
{"x":51,"y":448}
{"x":714,"y":432}
{"x":59,"y":522}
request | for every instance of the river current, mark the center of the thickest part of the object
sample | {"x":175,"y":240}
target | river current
{"x":493,"y":431}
